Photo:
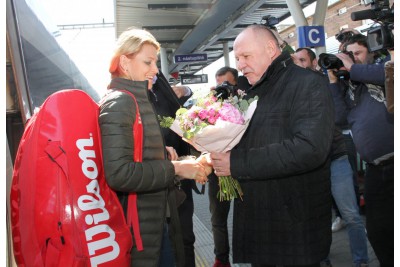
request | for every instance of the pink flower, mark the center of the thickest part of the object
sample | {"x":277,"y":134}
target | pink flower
{"x":231,"y":114}
{"x":203,"y":114}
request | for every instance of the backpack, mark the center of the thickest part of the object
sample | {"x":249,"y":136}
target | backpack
{"x":62,"y":211}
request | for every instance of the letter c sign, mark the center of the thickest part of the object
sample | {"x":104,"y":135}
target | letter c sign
{"x":311,"y":36}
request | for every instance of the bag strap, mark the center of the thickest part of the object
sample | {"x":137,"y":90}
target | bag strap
{"x":132,"y":212}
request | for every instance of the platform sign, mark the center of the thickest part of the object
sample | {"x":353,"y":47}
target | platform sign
{"x":311,"y":36}
{"x":193,"y":79}
{"x":190,"y":58}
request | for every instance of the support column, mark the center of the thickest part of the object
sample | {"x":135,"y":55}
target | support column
{"x":226,"y":53}
{"x":297,"y":12}
{"x":319,"y":20}
{"x":164,"y":62}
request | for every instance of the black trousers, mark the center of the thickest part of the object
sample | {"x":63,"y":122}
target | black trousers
{"x":186,"y":210}
{"x":219,"y":220}
{"x":379,"y":210}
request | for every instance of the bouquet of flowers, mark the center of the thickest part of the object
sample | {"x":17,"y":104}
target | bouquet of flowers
{"x":215,"y":125}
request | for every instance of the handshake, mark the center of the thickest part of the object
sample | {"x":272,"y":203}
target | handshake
{"x":188,"y":167}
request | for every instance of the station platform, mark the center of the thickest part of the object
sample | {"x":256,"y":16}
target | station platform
{"x":340,"y":255}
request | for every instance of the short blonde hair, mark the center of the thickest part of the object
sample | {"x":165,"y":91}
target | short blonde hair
{"x":129,"y":43}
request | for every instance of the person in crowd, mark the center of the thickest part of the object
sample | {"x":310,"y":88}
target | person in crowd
{"x":343,"y":36}
{"x":226,"y":74}
{"x":220,"y":209}
{"x":282,"y":161}
{"x":167,"y":100}
{"x":341,"y":179}
{"x":361,"y":102}
{"x":306,"y":58}
{"x":132,"y":69}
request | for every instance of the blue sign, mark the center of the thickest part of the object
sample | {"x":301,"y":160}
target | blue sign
{"x":311,"y":36}
{"x":190,"y":58}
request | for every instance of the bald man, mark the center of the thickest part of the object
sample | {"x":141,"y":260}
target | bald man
{"x":282,"y":160}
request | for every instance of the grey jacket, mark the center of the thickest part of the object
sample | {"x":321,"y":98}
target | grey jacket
{"x":151,"y":179}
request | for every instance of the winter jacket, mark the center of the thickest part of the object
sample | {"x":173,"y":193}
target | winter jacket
{"x":151,"y":179}
{"x":282,"y":164}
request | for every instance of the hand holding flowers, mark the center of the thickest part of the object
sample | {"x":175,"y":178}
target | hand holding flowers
{"x":215,"y":126}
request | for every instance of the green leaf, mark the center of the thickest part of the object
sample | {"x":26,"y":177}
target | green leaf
{"x":165,"y":122}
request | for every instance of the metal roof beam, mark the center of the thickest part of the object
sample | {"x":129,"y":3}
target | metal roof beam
{"x":168,"y":27}
{"x":179,"y":6}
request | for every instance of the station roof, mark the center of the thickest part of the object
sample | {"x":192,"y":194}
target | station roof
{"x":201,"y":26}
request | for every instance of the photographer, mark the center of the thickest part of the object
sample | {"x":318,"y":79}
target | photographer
{"x":227,"y":84}
{"x":342,"y":188}
{"x":366,"y":67}
{"x":361,"y":101}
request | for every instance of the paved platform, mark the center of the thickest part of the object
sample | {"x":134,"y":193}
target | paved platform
{"x":339,"y":254}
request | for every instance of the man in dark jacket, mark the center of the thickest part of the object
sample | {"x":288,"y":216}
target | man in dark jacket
{"x":166,"y":103}
{"x":361,"y":101}
{"x":282,"y":161}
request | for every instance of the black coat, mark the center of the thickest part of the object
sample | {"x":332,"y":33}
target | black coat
{"x":282,"y":163}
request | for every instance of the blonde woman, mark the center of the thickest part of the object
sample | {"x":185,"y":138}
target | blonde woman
{"x":133,"y":68}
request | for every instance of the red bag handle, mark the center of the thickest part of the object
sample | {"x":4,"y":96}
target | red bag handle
{"x":132,"y":213}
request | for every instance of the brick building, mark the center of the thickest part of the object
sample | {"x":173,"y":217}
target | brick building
{"x":338,"y":16}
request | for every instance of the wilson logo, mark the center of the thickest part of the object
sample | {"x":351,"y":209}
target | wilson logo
{"x":99,"y":237}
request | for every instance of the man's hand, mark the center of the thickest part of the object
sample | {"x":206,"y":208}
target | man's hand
{"x":332,"y":77}
{"x":172,"y":155}
{"x":181,"y":91}
{"x":221,"y":163}
{"x":346,"y":59}
{"x":205,"y":160}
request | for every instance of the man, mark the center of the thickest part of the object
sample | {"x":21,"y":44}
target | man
{"x":361,"y":102}
{"x":282,"y":160}
{"x":226,"y":74}
{"x":305,"y":57}
{"x":167,"y":101}
{"x":341,"y":180}
{"x":220,"y":209}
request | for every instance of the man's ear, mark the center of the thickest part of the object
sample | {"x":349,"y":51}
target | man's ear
{"x":272,"y":48}
{"x":314,"y":63}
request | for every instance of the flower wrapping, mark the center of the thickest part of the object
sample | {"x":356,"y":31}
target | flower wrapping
{"x":214,"y":125}
{"x":219,"y":137}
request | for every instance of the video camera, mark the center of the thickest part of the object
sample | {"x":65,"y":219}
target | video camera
{"x":270,"y":21}
{"x":225,"y":90}
{"x":381,"y":36}
{"x":330,"y":61}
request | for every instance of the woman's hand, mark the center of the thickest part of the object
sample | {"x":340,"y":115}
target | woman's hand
{"x":190,"y":169}
{"x":172,"y":155}
{"x":205,"y":160}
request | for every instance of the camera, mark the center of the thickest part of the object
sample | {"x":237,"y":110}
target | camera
{"x":380,"y":36}
{"x":225,"y":90}
{"x":270,"y":21}
{"x":330,"y":61}
{"x":343,"y":36}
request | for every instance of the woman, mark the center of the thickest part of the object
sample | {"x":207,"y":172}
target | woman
{"x":133,"y":69}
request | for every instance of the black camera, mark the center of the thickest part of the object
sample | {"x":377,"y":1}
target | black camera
{"x":343,"y":36}
{"x":270,"y":21}
{"x":329,"y":61}
{"x":381,"y":36}
{"x":225,"y":90}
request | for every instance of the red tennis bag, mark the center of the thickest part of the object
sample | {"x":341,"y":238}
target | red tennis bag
{"x":62,"y":211}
